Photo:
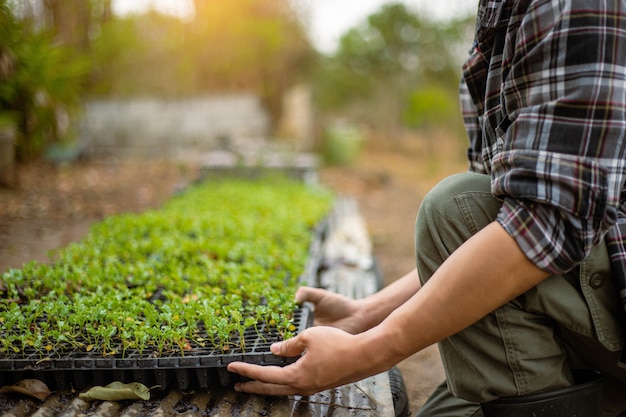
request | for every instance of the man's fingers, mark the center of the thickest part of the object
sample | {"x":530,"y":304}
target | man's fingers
{"x":266,"y":380}
{"x":310,"y":294}
{"x":290,"y":347}
{"x":262,"y":388}
{"x":269,"y":374}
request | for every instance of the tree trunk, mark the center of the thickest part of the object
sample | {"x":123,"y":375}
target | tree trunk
{"x":71,"y":21}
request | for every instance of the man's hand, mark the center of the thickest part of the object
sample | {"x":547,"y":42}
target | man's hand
{"x":356,"y":316}
{"x":332,"y":309}
{"x":332,"y":354}
{"x":330,"y":358}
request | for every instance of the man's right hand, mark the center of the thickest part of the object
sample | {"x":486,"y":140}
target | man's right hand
{"x":335,"y":310}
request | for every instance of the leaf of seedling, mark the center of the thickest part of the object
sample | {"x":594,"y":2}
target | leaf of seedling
{"x":117,"y":391}
{"x":31,"y":387}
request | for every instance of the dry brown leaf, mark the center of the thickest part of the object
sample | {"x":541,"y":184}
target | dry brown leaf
{"x":31,"y":387}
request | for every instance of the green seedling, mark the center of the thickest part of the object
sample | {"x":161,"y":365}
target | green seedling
{"x":216,"y":261}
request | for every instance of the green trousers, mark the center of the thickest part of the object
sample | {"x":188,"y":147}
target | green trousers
{"x":531,"y":343}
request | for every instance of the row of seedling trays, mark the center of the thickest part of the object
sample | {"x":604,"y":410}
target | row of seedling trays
{"x":168,"y":297}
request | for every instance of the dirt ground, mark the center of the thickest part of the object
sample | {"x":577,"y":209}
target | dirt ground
{"x":52,"y":205}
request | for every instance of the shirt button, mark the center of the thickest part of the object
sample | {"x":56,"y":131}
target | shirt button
{"x":596,"y":281}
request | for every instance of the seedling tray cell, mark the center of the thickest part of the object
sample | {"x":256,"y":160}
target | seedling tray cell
{"x":198,"y":368}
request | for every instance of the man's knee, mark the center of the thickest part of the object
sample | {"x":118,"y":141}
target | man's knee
{"x":440,"y":204}
{"x":451,"y":212}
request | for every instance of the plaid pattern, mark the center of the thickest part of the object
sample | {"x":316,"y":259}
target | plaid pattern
{"x":544,"y":102}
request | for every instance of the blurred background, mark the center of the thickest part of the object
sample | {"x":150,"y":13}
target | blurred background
{"x":96,"y":76}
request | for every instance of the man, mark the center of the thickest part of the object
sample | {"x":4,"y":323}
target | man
{"x":520,"y":263}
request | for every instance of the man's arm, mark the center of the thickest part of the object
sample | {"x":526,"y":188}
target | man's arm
{"x":484,"y":273}
{"x":356,"y":316}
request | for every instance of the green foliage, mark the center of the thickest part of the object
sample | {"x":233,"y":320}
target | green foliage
{"x":430,"y":106}
{"x":219,"y":259}
{"x":390,"y":42}
{"x":41,"y":84}
{"x":342,"y":144}
{"x":143,"y":55}
{"x":390,"y":57}
{"x":253,"y":45}
{"x":113,"y":52}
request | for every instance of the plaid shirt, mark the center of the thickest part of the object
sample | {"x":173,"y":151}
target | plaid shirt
{"x":544,"y":103}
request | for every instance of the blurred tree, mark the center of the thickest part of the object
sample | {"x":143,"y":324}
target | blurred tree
{"x":73,"y":22}
{"x":430,"y":106}
{"x":381,"y":66}
{"x":70,"y":20}
{"x":235,"y":45}
{"x":249,"y":44}
{"x":140,"y":55}
{"x":41,"y":83}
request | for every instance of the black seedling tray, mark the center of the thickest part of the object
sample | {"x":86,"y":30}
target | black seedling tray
{"x":198,"y":368}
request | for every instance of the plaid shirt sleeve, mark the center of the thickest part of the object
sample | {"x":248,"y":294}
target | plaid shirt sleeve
{"x":549,"y":81}
{"x":472,"y":123}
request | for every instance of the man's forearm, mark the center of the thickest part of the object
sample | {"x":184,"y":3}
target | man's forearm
{"x":379,"y":305}
{"x":484,"y":273}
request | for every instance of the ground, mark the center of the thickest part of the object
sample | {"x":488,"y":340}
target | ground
{"x":52,"y":205}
